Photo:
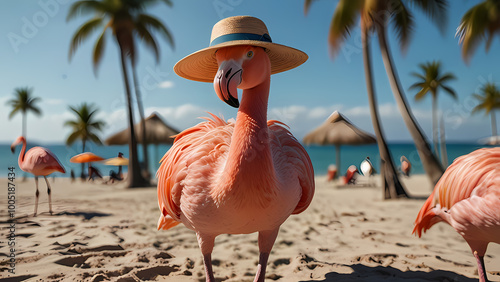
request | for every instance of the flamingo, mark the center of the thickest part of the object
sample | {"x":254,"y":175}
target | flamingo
{"x":467,"y":197}
{"x":405,"y":166}
{"x":236,"y":178}
{"x":367,"y":168}
{"x":38,"y":161}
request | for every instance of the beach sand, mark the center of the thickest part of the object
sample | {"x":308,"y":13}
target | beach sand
{"x":106,"y":232}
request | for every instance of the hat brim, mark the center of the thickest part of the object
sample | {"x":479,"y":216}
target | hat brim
{"x":202,"y":65}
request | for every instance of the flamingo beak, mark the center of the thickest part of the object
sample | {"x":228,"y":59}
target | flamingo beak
{"x":13,"y":149}
{"x":226,"y":82}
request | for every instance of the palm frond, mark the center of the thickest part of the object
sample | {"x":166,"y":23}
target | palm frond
{"x":148,"y":39}
{"x":446,"y":77}
{"x":73,"y":137}
{"x":152,"y":23}
{"x":99,"y":47}
{"x":85,"y":7}
{"x":436,"y":10}
{"x":83,"y":33}
{"x":421,"y":94}
{"x":418,"y":85}
{"x":472,"y":29}
{"x":344,"y":19}
{"x":450,"y":91}
{"x":403,"y":24}
{"x":14,"y":112}
{"x":417,"y":75}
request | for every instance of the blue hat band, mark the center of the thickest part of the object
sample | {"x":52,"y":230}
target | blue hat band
{"x":241,"y":36}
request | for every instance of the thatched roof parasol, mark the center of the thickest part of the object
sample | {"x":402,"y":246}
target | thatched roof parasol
{"x":157,"y":132}
{"x":338,"y":130}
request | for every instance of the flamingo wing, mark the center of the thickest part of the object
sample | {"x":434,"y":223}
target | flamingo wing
{"x":292,"y":159}
{"x":468,"y":176}
{"x":206,"y":143}
{"x":40,"y":161}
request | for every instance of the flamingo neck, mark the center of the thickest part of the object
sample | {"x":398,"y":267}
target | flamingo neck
{"x":22,"y":154}
{"x":250,"y":157}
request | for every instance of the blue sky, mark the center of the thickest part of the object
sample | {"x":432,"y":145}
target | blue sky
{"x":34,"y":43}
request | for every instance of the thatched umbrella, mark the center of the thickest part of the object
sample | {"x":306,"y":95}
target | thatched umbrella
{"x":157,"y":132}
{"x":338,"y":130}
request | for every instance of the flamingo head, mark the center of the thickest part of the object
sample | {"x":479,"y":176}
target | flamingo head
{"x":241,"y":66}
{"x":19,"y":139}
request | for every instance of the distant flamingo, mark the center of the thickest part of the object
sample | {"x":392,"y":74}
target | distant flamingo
{"x":38,"y":161}
{"x":467,"y":197}
{"x":236,"y":178}
{"x":367,"y":169}
{"x":405,"y":166}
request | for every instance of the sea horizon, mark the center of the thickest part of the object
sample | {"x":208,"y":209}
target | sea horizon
{"x":321,"y":156}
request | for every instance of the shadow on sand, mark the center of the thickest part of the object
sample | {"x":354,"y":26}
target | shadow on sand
{"x":86,"y":215}
{"x":363,"y":273}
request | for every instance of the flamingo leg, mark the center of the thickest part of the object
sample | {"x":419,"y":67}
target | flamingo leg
{"x":37,"y":193}
{"x":266,"y":242}
{"x":480,"y":268}
{"x":50,"y":197}
{"x":206,"y":243}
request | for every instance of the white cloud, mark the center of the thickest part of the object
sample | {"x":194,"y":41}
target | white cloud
{"x":166,"y":84}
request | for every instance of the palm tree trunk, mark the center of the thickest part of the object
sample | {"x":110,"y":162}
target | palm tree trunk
{"x":24,"y":125}
{"x":435,"y":132}
{"x":429,"y":161}
{"x":135,"y":178}
{"x":143,"y":122}
{"x":393,"y":188}
{"x":493,"y":123}
{"x":82,"y":175}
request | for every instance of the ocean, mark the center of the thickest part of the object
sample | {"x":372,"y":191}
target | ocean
{"x":321,"y":156}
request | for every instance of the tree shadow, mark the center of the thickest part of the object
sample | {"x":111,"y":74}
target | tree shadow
{"x":364,"y":273}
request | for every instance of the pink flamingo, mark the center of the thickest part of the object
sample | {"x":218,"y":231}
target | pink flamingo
{"x":467,"y":197}
{"x":236,"y":178}
{"x":38,"y":161}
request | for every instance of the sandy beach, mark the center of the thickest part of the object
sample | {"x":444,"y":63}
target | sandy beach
{"x":108,"y":233}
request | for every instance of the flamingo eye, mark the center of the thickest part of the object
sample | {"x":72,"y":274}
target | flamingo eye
{"x":250,"y":54}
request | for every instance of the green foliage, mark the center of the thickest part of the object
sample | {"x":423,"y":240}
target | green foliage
{"x":85,"y":126}
{"x":124,"y":17}
{"x":399,"y":12}
{"x":24,"y":102}
{"x":432,"y":80}
{"x":480,"y":22}
{"x":488,"y":97}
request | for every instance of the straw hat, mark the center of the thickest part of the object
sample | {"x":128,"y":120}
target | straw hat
{"x":239,"y":30}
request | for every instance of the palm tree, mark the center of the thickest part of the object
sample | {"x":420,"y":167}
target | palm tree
{"x":375,"y":16}
{"x":431,"y":81}
{"x":141,"y":30}
{"x":124,"y":18}
{"x":479,"y":22}
{"x":84,"y":127}
{"x":489,"y":101}
{"x":24,"y":102}
{"x":343,"y":19}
